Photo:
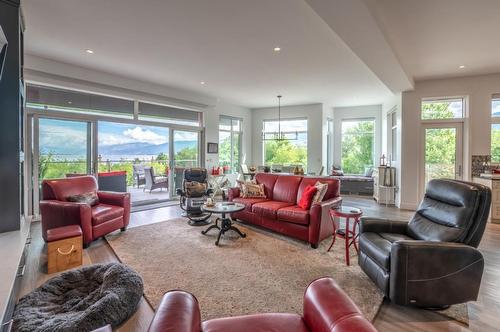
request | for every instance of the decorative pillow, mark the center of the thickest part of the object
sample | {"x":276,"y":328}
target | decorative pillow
{"x":307,"y":197}
{"x":87,"y":198}
{"x":195,"y":189}
{"x":320,"y":194}
{"x":250,"y":190}
{"x":240,"y":183}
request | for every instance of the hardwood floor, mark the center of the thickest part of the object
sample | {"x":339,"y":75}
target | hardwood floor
{"x":484,"y":314}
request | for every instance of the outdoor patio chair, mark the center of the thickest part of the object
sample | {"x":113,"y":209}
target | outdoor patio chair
{"x":138,"y":173}
{"x":154,"y":182}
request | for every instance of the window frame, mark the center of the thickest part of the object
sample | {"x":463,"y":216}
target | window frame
{"x":444,"y":99}
{"x":392,"y":128}
{"x":362,"y":119}
{"x":495,"y":120}
{"x":232,"y":132}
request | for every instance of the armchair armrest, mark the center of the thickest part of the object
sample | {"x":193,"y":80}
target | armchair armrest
{"x":320,"y":224}
{"x":114,"y":198}
{"x":118,"y":199}
{"x":328,"y":308}
{"x":233,"y":193}
{"x":58,"y":213}
{"x":378,"y":225}
{"x":433,"y":274}
{"x":178,"y":312}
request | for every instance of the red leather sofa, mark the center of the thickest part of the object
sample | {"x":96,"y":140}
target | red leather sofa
{"x":327,"y":308}
{"x":111,"y":213}
{"x":279,"y":211}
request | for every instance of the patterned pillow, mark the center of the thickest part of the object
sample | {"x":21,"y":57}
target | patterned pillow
{"x":87,"y":198}
{"x":320,"y":194}
{"x":250,"y":190}
{"x":240,"y":183}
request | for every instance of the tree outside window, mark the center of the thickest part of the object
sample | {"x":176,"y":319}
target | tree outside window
{"x":230,"y":143}
{"x":358,"y":138}
{"x":290,"y":151}
{"x":495,"y":131}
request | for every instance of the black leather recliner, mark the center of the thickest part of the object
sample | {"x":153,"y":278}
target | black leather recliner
{"x":432,"y":260}
{"x":193,"y":195}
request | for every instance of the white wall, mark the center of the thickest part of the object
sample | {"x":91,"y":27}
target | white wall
{"x":478,"y":91}
{"x":356,"y":112}
{"x":314,"y":115}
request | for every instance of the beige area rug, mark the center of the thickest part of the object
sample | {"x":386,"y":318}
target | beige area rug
{"x":264,"y":272}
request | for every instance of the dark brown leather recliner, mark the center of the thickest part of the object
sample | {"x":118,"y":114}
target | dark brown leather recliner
{"x":431,"y":261}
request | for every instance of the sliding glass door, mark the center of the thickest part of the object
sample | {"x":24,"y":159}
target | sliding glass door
{"x":185,"y":152}
{"x":61,"y":148}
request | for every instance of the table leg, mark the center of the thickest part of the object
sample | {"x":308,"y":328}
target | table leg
{"x":347,"y":241}
{"x":334,"y":235}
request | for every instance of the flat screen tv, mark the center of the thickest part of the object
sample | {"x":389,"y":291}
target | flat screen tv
{"x":3,"y":50}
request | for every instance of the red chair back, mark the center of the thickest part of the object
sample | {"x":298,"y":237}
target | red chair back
{"x":59,"y":189}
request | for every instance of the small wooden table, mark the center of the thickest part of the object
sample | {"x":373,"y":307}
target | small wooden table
{"x":226,"y":223}
{"x":350,"y":235}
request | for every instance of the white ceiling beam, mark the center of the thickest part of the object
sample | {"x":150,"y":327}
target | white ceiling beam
{"x":352,"y":21}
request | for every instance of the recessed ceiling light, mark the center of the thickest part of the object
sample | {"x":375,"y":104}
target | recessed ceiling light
{"x":89,"y":51}
{"x":202,"y":82}
{"x":461,"y":66}
{"x":277,"y":49}
{"x":70,"y":102}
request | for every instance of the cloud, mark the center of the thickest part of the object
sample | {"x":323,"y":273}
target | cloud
{"x":146,"y":136}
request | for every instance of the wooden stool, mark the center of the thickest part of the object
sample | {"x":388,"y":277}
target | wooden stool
{"x":349,"y":235}
{"x":64,"y":248}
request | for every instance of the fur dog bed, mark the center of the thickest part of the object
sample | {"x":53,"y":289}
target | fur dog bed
{"x":81,"y":299}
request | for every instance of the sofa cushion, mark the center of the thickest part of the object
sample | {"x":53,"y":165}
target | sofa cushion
{"x":258,"y":322}
{"x":377,"y":246}
{"x":268,"y":180}
{"x":248,"y":202}
{"x":294,"y":214}
{"x":286,"y":187}
{"x":104,"y":212}
{"x":269,"y":209}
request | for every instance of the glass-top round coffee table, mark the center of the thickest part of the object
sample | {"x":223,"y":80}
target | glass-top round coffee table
{"x":226,"y":224}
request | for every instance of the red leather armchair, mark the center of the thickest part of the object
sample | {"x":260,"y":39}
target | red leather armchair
{"x":279,"y":211}
{"x":111,"y":213}
{"x":327,"y":308}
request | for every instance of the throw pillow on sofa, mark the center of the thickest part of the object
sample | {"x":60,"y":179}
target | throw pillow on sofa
{"x":250,"y":190}
{"x":307,"y":197}
{"x":320,"y":194}
{"x":87,"y":198}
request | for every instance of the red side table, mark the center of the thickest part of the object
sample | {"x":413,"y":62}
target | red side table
{"x":350,"y":235}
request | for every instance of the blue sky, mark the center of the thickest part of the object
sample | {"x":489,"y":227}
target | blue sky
{"x":63,"y":137}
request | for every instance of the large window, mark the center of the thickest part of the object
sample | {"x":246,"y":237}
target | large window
{"x":495,"y":130}
{"x":230,"y":143}
{"x":358,"y":136}
{"x":288,"y":152}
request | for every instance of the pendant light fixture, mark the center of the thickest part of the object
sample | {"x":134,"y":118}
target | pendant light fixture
{"x":279,"y":135}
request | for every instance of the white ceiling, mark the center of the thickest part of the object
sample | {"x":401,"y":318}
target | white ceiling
{"x":226,"y":43}
{"x":432,"y":38}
